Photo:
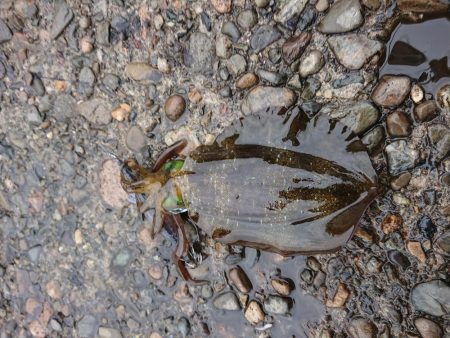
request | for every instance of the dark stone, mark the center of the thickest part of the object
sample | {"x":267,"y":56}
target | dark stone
{"x":426,"y":227}
{"x":294,"y":47}
{"x":263,"y":37}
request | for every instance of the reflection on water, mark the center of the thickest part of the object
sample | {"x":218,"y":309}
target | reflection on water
{"x":421,"y":51}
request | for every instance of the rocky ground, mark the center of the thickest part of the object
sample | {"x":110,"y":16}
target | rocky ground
{"x":83,"y":82}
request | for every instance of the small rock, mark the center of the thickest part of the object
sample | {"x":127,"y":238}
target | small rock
{"x":200,"y":56}
{"x":135,"y":139}
{"x":222,"y":6}
{"x":261,"y":98}
{"x":311,"y":63}
{"x":107,"y":332}
{"x":102,"y":33}
{"x":140,"y":71}
{"x":422,"y":6}
{"x":343,"y":16}
{"x":340,"y":298}
{"x":398,"y":124}
{"x":399,"y":259}
{"x":294,"y":47}
{"x":426,"y":227}
{"x":277,"y":305}
{"x":416,"y":93}
{"x":416,"y":250}
{"x":163,"y":65}
{"x":311,"y":86}
{"x":427,"y":328}
{"x":281,"y":286}
{"x":225,"y":91}
{"x":111,"y":81}
{"x":207,"y":291}
{"x":443,"y":243}
{"x":236,"y":64}
{"x":247,"y":19}
{"x":401,"y":181}
{"x":264,"y":36}
{"x":353,"y":50}
{"x":391,"y":90}
{"x":61,"y":20}
{"x":87,"y":326}
{"x":359,"y":115}
{"x":440,"y":138}
{"x":443,"y":97}
{"x":426,"y":111}
{"x":247,"y":81}
{"x":272,"y":77}
{"x":122,"y":112}
{"x":96,"y":111}
{"x":373,"y":138}
{"x":261,"y":3}
{"x":400,"y":157}
{"x":322,"y":5}
{"x":391,"y":223}
{"x":362,"y":328}
{"x":254,"y":313}
{"x":110,"y":187}
{"x":223,"y":47}
{"x":289,"y":9}
{"x":227,"y":301}
{"x":432,"y":298}
{"x":174,"y":107}
{"x":371,"y":4}
{"x":5,"y":32}
{"x":230,"y":29}
{"x":240,"y":279}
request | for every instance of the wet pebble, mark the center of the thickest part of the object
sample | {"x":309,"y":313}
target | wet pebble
{"x":443,"y":97}
{"x":307,"y":276}
{"x":61,"y":19}
{"x":288,"y":10}
{"x":247,"y":81}
{"x":239,"y":279}
{"x":362,"y":328}
{"x":416,"y":93}
{"x":343,"y":16}
{"x":310,"y":88}
{"x":135,"y":139}
{"x":347,"y":79}
{"x":426,"y":227}
{"x":108,"y":332}
{"x":262,"y":97}
{"x":87,"y":326}
{"x":272,"y":77}
{"x":353,"y":50}
{"x":254,"y":313}
{"x":401,"y":157}
{"x":440,"y":138}
{"x":401,"y":181}
{"x":247,"y":19}
{"x":311,"y":63}
{"x":236,"y":64}
{"x":281,"y":286}
{"x":431,"y":297}
{"x":426,"y":111}
{"x":294,"y":47}
{"x":277,"y":305}
{"x":230,"y":29}
{"x":263,"y":37}
{"x":200,"y":56}
{"x":427,"y":328}
{"x":373,"y":138}
{"x":140,"y":71}
{"x":359,"y":115}
{"x":340,"y":298}
{"x":398,"y":124}
{"x":399,"y":259}
{"x":222,"y":6}
{"x":174,"y":107}
{"x":391,"y":91}
{"x":227,"y":301}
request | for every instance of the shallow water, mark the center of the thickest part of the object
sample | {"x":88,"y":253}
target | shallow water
{"x":420,"y":50}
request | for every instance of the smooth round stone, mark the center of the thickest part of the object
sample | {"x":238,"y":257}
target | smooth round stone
{"x":322,"y":5}
{"x":371,"y":4}
{"x":239,"y":278}
{"x":426,"y":111}
{"x":431,"y":297}
{"x":247,"y":19}
{"x":261,"y":3}
{"x":87,"y":76}
{"x":281,"y":286}
{"x":224,"y":73}
{"x":174,"y":107}
{"x":398,"y":124}
{"x":443,"y":97}
{"x":247,"y":81}
{"x":391,"y":91}
{"x":254,"y":313}
{"x":264,"y":36}
{"x":140,"y":71}
{"x":111,"y":81}
{"x":401,"y":181}
{"x":311,"y":63}
{"x":227,"y":301}
{"x":343,"y":16}
{"x":272,"y":77}
{"x":416,"y":93}
{"x":225,"y":91}
{"x":262,"y":97}
{"x":230,"y":29}
{"x":135,"y":139}
{"x":428,"y":328}
{"x":277,"y":305}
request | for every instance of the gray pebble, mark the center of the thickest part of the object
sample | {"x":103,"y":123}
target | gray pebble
{"x":96,"y":111}
{"x":87,"y":76}
{"x":310,"y":88}
{"x":230,"y":29}
{"x":207,"y":291}
{"x":225,"y":91}
{"x":121,"y":259}
{"x":347,"y":79}
{"x":200,"y":55}
{"x":135,"y":139}
{"x":247,"y":19}
{"x":140,"y":71}
{"x":102,"y":33}
{"x":432,"y":298}
{"x":224,"y":74}
{"x":264,"y":36}
{"x":61,"y":20}
{"x":343,"y":16}
{"x":440,"y":138}
{"x":272,"y":77}
{"x":274,"y":55}
{"x":55,"y":325}
{"x":32,"y":115}
{"x":236,"y":64}
{"x":227,"y":301}
{"x":111,"y":81}
{"x":34,"y":253}
{"x":400,"y":157}
{"x":311,"y":63}
{"x":119,"y":23}
{"x":289,"y":9}
{"x":277,"y":305}
{"x":87,"y":326}
{"x":353,"y":50}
